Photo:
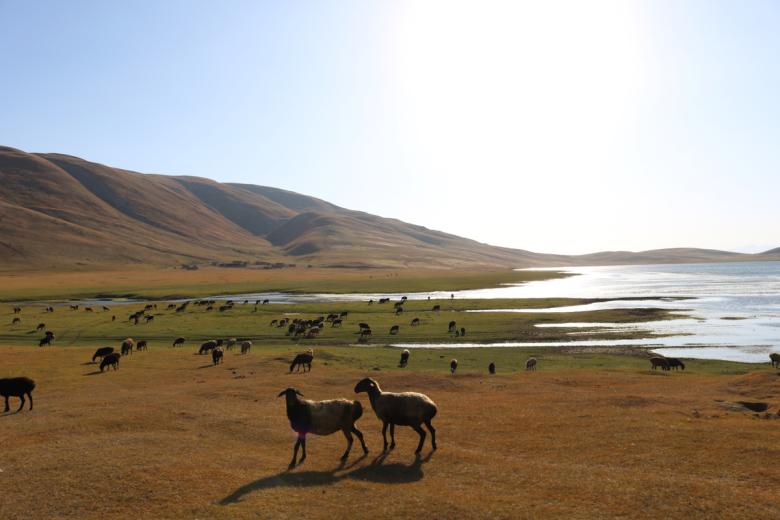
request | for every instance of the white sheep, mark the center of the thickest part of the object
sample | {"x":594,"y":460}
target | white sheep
{"x":322,"y":418}
{"x":404,"y":409}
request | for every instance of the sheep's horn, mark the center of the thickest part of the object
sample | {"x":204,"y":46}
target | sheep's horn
{"x":282,"y":393}
{"x":300,"y":394}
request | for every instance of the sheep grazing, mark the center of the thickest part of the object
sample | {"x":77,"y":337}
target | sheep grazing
{"x":216,"y":355}
{"x":492,"y":368}
{"x":675,"y":363}
{"x":530,"y":364}
{"x":415,"y":322}
{"x":142,"y":345}
{"x":111,"y":360}
{"x":656,"y":362}
{"x":178,"y":342}
{"x":402,"y":409}
{"x":404,"y":358}
{"x":15,"y":321}
{"x":17,"y":387}
{"x":245,"y":346}
{"x":102,"y":352}
{"x":45,"y":341}
{"x":207,"y":346}
{"x":230,"y":343}
{"x":774,"y":357}
{"x":127,"y":346}
{"x":40,"y":327}
{"x":453,"y":366}
{"x":394,"y":329}
{"x":304,"y":360}
{"x":322,"y":418}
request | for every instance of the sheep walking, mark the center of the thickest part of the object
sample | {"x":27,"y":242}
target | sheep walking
{"x":453,"y":366}
{"x":216,"y":355}
{"x":404,"y":409}
{"x":17,"y":387}
{"x":322,"y":418}
{"x":127,"y":346}
{"x":245,"y":346}
{"x":531,"y":364}
{"x":304,"y":360}
{"x":404,"y":358}
{"x":774,"y":357}
{"x":111,"y":360}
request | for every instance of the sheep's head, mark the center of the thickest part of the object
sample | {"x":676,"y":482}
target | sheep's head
{"x":289,"y":392}
{"x":366,"y":385}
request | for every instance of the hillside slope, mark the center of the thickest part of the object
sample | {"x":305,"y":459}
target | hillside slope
{"x":59,"y":211}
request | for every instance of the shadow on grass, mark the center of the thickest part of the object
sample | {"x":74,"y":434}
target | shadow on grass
{"x":376,"y":471}
{"x":94,"y":373}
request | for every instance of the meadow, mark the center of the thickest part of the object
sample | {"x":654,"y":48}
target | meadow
{"x":593,"y":433}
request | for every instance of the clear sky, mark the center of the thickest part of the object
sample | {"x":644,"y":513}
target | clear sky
{"x":553,"y":126}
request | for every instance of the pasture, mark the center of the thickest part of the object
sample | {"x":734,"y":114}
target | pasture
{"x":171,"y":436}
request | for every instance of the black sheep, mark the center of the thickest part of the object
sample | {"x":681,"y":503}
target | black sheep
{"x":17,"y":387}
{"x":111,"y":360}
{"x":102,"y":352}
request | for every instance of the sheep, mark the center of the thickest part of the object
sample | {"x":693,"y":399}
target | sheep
{"x":216,"y":355}
{"x":404,"y":358}
{"x":415,"y":322}
{"x":102,"y":352}
{"x":15,"y":321}
{"x":322,"y":418}
{"x":230,"y":343}
{"x":404,"y":409}
{"x":142,"y":345}
{"x":273,"y":322}
{"x":394,"y":329}
{"x":452,"y":327}
{"x":462,"y":331}
{"x":436,"y":308}
{"x":675,"y":363}
{"x":127,"y":346}
{"x":774,"y":357}
{"x":45,"y":341}
{"x":453,"y":366}
{"x":362,"y":326}
{"x":111,"y":360}
{"x":245,"y":346}
{"x":207,"y":346}
{"x":336,"y":322}
{"x":40,"y":327}
{"x":492,"y":368}
{"x":531,"y":364}
{"x":304,"y":360}
{"x":178,"y":342}
{"x":17,"y":387}
{"x":656,"y":362}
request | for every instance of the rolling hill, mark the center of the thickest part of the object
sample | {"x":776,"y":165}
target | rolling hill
{"x":59,"y":211}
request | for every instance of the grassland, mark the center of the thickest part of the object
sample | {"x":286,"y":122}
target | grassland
{"x":169,"y":436}
{"x":248,"y":321}
{"x":161,"y":283}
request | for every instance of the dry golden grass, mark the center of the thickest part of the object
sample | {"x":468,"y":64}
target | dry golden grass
{"x":168,"y":436}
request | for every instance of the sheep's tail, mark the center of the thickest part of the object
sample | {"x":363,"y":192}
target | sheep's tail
{"x":357,"y":410}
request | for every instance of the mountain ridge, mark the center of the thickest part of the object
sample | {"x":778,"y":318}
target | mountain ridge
{"x":60,"y":211}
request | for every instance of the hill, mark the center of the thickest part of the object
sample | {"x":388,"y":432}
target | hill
{"x":59,"y":211}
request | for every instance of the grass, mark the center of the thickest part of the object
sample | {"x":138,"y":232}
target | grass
{"x":172,"y":283}
{"x":80,"y":328}
{"x":586,"y":436}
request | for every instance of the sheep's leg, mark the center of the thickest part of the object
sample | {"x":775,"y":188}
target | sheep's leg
{"x":421,"y":433}
{"x":29,"y":394}
{"x":433,"y":433}
{"x":384,"y":434}
{"x":295,"y":452}
{"x":348,"y":435}
{"x":360,"y":438}
{"x":6,"y":405}
{"x":21,"y":405}
{"x":392,"y":436}
{"x":303,"y":449}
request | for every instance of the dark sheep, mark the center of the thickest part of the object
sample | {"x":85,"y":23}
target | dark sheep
{"x":530,"y":364}
{"x":452,"y":327}
{"x":394,"y":329}
{"x":492,"y":368}
{"x":302,"y":360}
{"x":656,"y":362}
{"x":45,"y":341}
{"x":40,"y":327}
{"x":675,"y":363}
{"x":453,"y":366}
{"x":216,"y":355}
{"x":404,"y":358}
{"x":774,"y":357}
{"x":142,"y":345}
{"x":102,"y":352}
{"x":415,"y":322}
{"x":111,"y":360}
{"x":207,"y":346}
{"x":17,"y":387}
{"x":127,"y":346}
{"x":178,"y":342}
{"x":462,"y":331}
{"x":15,"y":321}
{"x":245,"y":346}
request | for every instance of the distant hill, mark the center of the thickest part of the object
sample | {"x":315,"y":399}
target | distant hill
{"x":775,"y":251}
{"x":59,"y":211}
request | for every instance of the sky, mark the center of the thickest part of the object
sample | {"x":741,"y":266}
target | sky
{"x":553,"y":126}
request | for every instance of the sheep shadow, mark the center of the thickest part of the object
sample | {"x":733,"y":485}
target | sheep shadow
{"x":375,"y":471}
{"x":93,"y":373}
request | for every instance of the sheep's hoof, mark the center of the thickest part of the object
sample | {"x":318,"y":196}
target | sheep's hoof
{"x":291,"y":465}
{"x":392,"y":446}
